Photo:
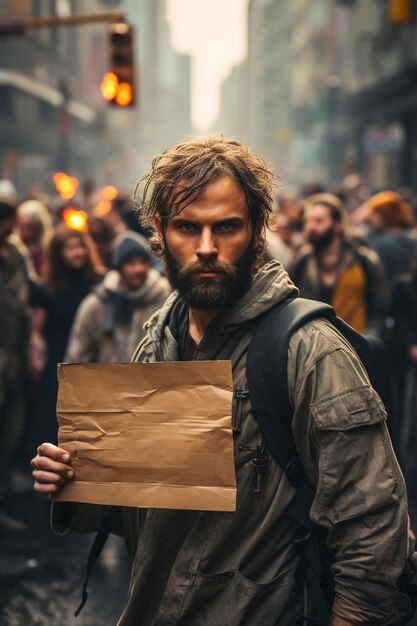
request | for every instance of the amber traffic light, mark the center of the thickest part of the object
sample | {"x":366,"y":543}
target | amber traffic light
{"x":118,"y":84}
{"x":401,"y":11}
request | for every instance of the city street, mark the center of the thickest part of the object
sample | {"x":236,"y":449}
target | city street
{"x":208,"y":310}
{"x":41,"y":574}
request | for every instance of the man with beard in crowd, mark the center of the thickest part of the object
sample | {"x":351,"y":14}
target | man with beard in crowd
{"x":339,"y":270}
{"x":209,"y":201}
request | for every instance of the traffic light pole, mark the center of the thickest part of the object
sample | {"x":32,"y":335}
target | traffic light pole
{"x":19,"y":27}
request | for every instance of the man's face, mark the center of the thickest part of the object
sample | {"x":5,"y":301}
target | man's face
{"x":134,"y":272}
{"x":284,"y":229}
{"x":319,"y":226}
{"x":209,"y":247}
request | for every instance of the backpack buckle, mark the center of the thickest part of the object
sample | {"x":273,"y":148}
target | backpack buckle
{"x":295,"y":472}
{"x":300,"y":534}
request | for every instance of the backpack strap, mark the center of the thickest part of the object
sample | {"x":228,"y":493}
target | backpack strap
{"x":266,"y":369}
{"x":98,"y":544}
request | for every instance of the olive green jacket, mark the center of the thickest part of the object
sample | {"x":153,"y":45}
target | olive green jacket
{"x":239,"y":569}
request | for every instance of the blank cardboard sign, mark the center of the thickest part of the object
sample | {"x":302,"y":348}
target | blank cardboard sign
{"x":154,"y":435}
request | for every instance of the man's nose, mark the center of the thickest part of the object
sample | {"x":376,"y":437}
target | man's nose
{"x":206,"y":244}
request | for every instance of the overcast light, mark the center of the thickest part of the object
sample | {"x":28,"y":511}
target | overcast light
{"x":214,"y":33}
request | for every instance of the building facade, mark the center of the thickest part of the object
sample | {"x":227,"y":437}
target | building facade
{"x":52,"y":113}
{"x":330,"y":88}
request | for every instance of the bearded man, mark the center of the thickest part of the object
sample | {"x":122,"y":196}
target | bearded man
{"x":336,"y":269}
{"x":209,"y":201}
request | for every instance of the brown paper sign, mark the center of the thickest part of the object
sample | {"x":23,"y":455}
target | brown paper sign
{"x":154,"y":435}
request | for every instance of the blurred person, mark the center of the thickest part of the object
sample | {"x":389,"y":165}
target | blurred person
{"x":73,"y":268}
{"x":128,"y":217}
{"x":355,"y":191}
{"x":33,"y":225}
{"x":210,"y":200}
{"x":14,"y":348}
{"x":403,"y":345}
{"x":109,"y":321}
{"x":311,"y":188}
{"x":127,"y":212}
{"x":102,"y":232}
{"x":338,"y":270}
{"x":279,"y":239}
{"x":122,"y":215}
{"x":390,"y":219}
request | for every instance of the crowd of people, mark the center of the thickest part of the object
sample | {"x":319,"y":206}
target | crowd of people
{"x":84,"y":296}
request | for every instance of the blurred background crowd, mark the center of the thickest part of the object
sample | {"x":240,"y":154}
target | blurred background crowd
{"x":76,"y":287}
{"x":324,"y":90}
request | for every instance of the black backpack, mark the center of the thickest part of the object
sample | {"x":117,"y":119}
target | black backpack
{"x":271,"y":407}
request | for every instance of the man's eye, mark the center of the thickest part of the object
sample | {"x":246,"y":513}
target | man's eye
{"x":226,"y":227}
{"x":187,"y":228}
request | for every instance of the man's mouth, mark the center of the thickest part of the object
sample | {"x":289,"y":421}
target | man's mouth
{"x":208,"y":274}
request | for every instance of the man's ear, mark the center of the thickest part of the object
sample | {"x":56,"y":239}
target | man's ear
{"x":258,"y":234}
{"x":158,"y":226}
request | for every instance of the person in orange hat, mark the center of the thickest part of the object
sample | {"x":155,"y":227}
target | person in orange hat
{"x":390,"y":219}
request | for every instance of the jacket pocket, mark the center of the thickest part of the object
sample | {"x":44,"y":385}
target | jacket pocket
{"x":357,"y":407}
{"x":231,"y":599}
{"x":358,"y":472}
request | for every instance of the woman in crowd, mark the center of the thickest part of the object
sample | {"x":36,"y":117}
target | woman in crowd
{"x":103,"y":234}
{"x":72,"y":269}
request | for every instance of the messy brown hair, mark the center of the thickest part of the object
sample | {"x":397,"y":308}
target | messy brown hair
{"x":56,"y":274}
{"x":181,"y":173}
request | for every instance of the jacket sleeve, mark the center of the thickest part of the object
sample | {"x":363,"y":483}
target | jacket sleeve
{"x":82,"y":342}
{"x":341,"y":435}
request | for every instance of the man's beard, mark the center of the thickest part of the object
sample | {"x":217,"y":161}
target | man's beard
{"x":210,"y":294}
{"x":319,"y":242}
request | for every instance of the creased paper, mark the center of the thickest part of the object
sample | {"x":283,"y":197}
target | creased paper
{"x":154,"y":435}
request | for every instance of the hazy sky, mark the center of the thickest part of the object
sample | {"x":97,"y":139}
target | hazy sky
{"x":214,"y":33}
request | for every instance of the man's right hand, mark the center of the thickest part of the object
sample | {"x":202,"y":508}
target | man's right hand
{"x":51,"y":469}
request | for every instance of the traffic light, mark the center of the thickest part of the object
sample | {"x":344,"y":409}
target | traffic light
{"x":118,"y":84}
{"x":401,"y":12}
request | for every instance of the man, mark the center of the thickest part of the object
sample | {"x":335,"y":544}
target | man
{"x":14,"y":346}
{"x":109,"y":322}
{"x":279,"y":239}
{"x":210,"y":200}
{"x":390,"y":220}
{"x":338,"y":270}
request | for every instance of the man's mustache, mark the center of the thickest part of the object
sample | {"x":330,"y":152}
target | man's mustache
{"x":200,"y":267}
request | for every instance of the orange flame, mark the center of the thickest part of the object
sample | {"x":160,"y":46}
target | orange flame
{"x":75,"y":219}
{"x":65,"y":185}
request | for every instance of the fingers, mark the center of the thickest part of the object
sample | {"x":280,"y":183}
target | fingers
{"x":51,"y":469}
{"x":49,"y":465}
{"x":45,"y":490}
{"x":53,"y":452}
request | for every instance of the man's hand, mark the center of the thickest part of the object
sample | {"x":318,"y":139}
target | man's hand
{"x":51,"y":469}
